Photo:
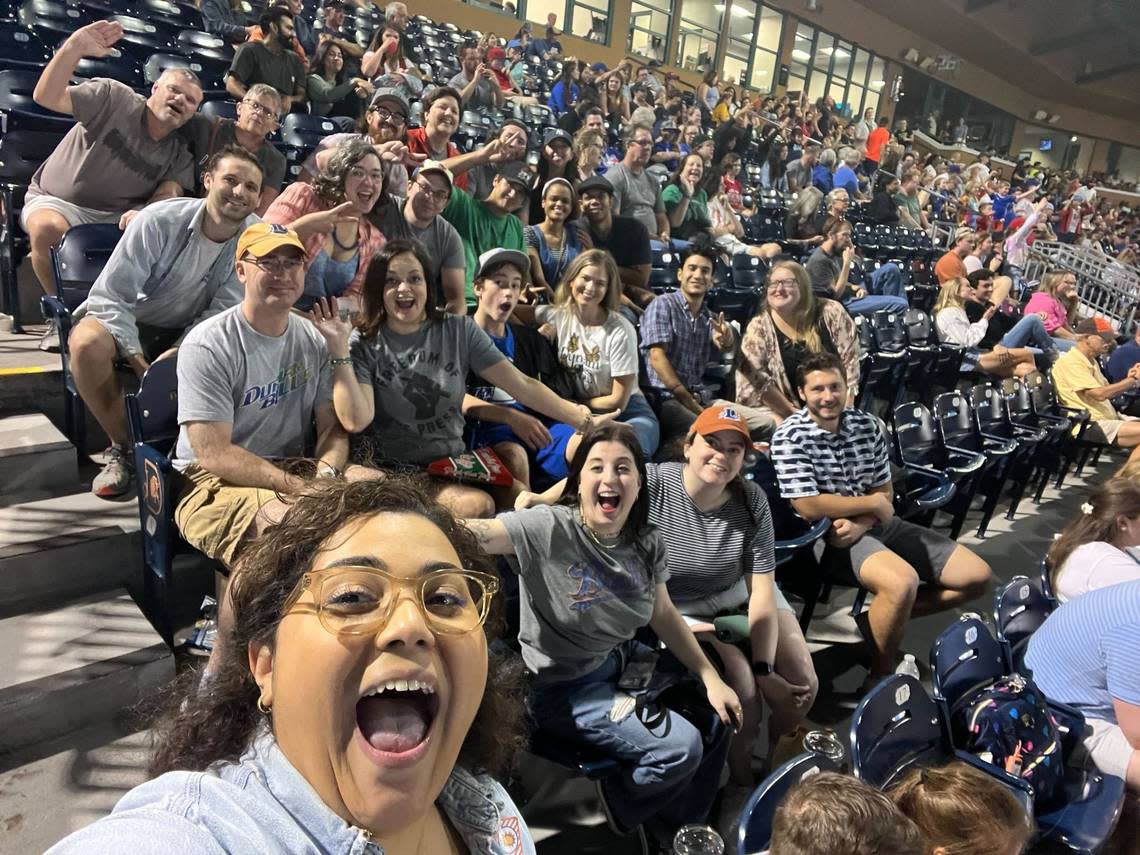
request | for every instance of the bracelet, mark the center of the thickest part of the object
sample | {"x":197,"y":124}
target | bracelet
{"x":340,"y":360}
{"x":327,"y":470}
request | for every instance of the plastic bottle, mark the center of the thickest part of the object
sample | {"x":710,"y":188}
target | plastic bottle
{"x":908,"y":667}
{"x":697,"y":840}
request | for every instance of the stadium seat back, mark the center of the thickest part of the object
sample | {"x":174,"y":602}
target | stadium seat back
{"x":964,"y":657}
{"x":80,"y":258}
{"x":760,"y":809}
{"x":896,"y":726}
{"x":1020,"y":607}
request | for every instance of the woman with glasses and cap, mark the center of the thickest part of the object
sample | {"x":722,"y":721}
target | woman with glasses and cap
{"x":356,"y":708}
{"x":340,"y":199}
{"x":550,"y":244}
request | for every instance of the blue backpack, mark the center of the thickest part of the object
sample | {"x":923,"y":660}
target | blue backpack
{"x":1009,"y":725}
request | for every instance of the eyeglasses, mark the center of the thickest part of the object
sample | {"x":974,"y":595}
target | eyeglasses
{"x":261,"y":110}
{"x":276,"y":266}
{"x":441,"y":196}
{"x":783,"y":285}
{"x":386,"y":114}
{"x":360,"y":174}
{"x":361,"y":600}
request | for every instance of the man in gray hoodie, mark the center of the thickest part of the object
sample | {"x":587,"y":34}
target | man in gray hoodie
{"x":173,"y":267}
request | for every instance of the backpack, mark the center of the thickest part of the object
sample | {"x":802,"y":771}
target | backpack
{"x":1009,"y":725}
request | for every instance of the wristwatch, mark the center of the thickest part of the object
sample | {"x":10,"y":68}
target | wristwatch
{"x":761,"y":669}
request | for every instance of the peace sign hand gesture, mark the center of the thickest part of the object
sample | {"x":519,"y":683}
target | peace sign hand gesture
{"x":723,"y":336}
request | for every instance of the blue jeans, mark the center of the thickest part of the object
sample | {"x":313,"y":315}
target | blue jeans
{"x":887,"y":281}
{"x":1029,"y":332}
{"x":873,"y":302}
{"x":640,"y":416}
{"x":668,"y":777}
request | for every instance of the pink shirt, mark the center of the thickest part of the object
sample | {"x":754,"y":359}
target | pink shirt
{"x":1055,"y":314}
{"x":299,"y":199}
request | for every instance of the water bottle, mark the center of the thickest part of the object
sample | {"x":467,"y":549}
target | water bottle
{"x":826,"y":744}
{"x":697,"y":840}
{"x":909,"y":667}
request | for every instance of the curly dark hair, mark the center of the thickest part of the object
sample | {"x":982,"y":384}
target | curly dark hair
{"x":215,"y":720}
{"x":329,"y":183}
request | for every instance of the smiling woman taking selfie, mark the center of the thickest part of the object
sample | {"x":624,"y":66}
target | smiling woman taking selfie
{"x":353,"y":710}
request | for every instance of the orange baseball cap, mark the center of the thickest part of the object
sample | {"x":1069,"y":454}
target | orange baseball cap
{"x":721,"y":417}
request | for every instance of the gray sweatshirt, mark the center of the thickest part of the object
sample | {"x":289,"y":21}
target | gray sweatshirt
{"x":164,"y":273}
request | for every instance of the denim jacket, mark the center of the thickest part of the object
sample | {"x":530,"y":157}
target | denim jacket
{"x":261,"y":804}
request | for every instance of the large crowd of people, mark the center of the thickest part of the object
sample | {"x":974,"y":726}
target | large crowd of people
{"x":406,"y":310}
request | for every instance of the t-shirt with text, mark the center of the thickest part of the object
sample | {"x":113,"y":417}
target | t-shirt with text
{"x":592,"y":356}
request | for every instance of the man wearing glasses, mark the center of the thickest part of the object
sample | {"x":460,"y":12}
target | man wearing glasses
{"x":257,"y":115}
{"x":636,"y":193}
{"x":251,"y":382}
{"x":386,"y":123}
{"x":173,"y":267}
{"x":418,"y":217}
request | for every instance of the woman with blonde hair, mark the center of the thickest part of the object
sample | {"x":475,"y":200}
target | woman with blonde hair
{"x":588,"y":162}
{"x":596,"y":345}
{"x":790,"y":325}
{"x":954,"y":327}
{"x":1093,"y":550}
{"x":963,"y":811}
{"x":1056,"y":301}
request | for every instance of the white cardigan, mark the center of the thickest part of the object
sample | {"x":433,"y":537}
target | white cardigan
{"x":955,"y":328}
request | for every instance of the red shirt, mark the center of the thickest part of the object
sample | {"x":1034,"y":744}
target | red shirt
{"x":416,"y":140}
{"x":875,"y":142}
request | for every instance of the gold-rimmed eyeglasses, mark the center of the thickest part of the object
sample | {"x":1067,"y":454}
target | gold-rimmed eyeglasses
{"x":361,"y":600}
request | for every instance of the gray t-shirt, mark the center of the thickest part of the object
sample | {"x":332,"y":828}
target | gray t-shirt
{"x":444,"y":248}
{"x":824,"y":270}
{"x":266,"y":387}
{"x":255,"y":63}
{"x":108,"y":161}
{"x":579,"y":600}
{"x":638,"y":196}
{"x":483,"y":96}
{"x":418,"y":382}
{"x":206,"y":136}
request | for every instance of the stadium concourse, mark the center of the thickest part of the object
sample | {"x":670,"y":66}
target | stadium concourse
{"x":782,"y":439}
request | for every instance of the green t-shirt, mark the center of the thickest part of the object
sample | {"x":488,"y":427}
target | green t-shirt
{"x":911,"y":205}
{"x":696,"y":217}
{"x":480,"y":230}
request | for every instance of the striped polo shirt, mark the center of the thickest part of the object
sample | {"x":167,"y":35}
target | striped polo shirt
{"x":811,"y":461}
{"x":708,"y":551}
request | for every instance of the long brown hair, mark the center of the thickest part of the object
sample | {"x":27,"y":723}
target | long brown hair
{"x":809,"y":312}
{"x":373,"y":314}
{"x":1117,"y":498}
{"x":962,"y":811}
{"x":1051,"y":285}
{"x":215,"y":720}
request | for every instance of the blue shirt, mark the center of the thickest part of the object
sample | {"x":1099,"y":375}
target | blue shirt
{"x":845,"y":177}
{"x":1088,"y":651}
{"x":821,"y":178}
{"x":1123,"y":358}
{"x":687,"y":340}
{"x":557,"y":101}
{"x":262,"y":804}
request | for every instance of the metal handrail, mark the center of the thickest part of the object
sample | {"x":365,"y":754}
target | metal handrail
{"x":1104,"y":286}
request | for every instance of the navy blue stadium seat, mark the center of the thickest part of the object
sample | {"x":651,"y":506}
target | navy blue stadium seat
{"x":20,"y":47}
{"x":162,"y":13}
{"x":1020,"y":608}
{"x":304,"y":131}
{"x":211,"y":75}
{"x":52,"y":21}
{"x":206,"y":47}
{"x":76,"y":264}
{"x":760,"y":809}
{"x":122,"y":66}
{"x":18,"y":111}
{"x":152,"y":415}
{"x":143,"y":37}
{"x":219,"y":108}
{"x":993,"y":420}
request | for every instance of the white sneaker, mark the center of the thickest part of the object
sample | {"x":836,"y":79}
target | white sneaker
{"x":116,"y":476}
{"x":49,"y":341}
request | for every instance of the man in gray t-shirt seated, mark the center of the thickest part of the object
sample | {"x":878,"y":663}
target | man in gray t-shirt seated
{"x":637,"y":193}
{"x":251,"y":382}
{"x":121,"y":155}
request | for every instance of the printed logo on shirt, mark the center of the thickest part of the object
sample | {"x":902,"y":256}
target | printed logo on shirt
{"x":288,"y":381}
{"x":121,"y":148}
{"x":598,"y":583}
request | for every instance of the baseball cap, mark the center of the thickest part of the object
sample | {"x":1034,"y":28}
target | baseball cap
{"x":494,"y":257}
{"x":513,"y":43}
{"x":668,"y":125}
{"x":518,"y":174}
{"x":596,"y":182}
{"x":721,"y":417}
{"x":436,"y":166}
{"x":699,"y":140}
{"x":392,"y":97}
{"x":1090,"y":327}
{"x":260,"y":239}
{"x":557,"y":134}
{"x":599,"y":67}
{"x":962,"y":231}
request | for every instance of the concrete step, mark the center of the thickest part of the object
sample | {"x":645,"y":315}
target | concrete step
{"x":58,"y":549}
{"x":76,"y":666}
{"x":35,"y":456}
{"x":73,"y":783}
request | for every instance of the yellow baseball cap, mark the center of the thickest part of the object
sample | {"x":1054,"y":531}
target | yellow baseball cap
{"x":260,"y":239}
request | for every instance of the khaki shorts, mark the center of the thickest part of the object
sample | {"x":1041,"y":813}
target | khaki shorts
{"x":1106,"y":746}
{"x":1105,"y":430}
{"x":214,"y":517}
{"x":75,"y":215}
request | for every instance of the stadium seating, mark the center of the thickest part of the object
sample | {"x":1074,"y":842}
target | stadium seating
{"x":760,"y":809}
{"x":1019,"y":609}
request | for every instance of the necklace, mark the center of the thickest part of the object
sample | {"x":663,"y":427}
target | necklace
{"x":615,"y":540}
{"x":347,"y":246}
